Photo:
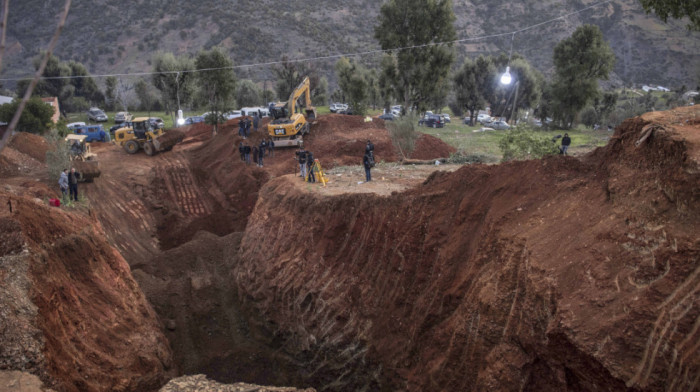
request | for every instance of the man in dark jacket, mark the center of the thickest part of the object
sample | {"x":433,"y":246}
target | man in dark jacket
{"x":256,"y":122}
{"x":310,"y":166}
{"x":73,"y":177}
{"x":271,"y":147}
{"x":247,"y":126}
{"x":241,"y":149}
{"x":261,"y":152}
{"x":369,"y":148}
{"x":241,"y":128}
{"x":301,"y":157}
{"x":246,"y":151}
{"x":565,"y":143}
{"x":368,"y":166}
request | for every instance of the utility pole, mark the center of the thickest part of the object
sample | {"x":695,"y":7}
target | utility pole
{"x":515,"y":101}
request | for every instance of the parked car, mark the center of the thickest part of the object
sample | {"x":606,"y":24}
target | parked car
{"x":346,"y":110}
{"x":388,"y":116}
{"x":194,"y":120}
{"x":336,"y":107}
{"x":115,"y":127}
{"x":432,"y":120}
{"x":97,"y":115}
{"x":230,"y":115}
{"x":499,"y":125}
{"x":446,"y":118}
{"x":396,"y":110}
{"x":75,"y":125}
{"x":156,"y":122}
{"x":120,"y":117}
{"x":94,"y":133}
{"x":482,"y":118}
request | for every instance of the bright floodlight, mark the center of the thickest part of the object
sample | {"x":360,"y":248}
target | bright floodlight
{"x":506,"y":78}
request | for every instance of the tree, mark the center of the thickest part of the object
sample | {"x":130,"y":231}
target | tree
{"x":472,"y":83}
{"x":579,"y":62}
{"x":321,"y":92}
{"x":70,"y":82}
{"x":523,"y":93}
{"x":35,"y":118}
{"x":414,"y":30}
{"x":675,"y":9}
{"x":176,"y":86}
{"x":48,"y":87}
{"x":84,"y":84}
{"x":110,"y":92}
{"x":353,"y":83}
{"x":290,"y":74}
{"x":217,"y":84}
{"x":145,"y":95}
{"x":248,"y":93}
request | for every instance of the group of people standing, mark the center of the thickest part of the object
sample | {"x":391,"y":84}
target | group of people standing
{"x":257,"y":153}
{"x":244,"y":125}
{"x":306,"y":164}
{"x":68,"y":182}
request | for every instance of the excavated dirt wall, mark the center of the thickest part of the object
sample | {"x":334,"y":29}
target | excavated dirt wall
{"x":71,"y":311}
{"x":559,"y":274}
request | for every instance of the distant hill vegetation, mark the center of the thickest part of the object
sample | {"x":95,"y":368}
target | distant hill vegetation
{"x":122,"y":36}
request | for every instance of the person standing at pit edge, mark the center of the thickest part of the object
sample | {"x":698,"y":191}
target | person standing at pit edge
{"x":73,"y":184}
{"x":301,"y":157}
{"x":565,"y":143}
{"x":63,"y":184}
{"x":368,"y":166}
{"x":246,"y":152}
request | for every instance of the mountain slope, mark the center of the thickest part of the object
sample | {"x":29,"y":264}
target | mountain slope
{"x":120,"y":38}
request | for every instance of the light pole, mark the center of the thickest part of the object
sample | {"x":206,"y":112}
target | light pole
{"x":506,"y":79}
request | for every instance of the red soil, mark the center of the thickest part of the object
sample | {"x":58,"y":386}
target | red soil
{"x":555,"y":274}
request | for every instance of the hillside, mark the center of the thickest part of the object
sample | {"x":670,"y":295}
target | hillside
{"x":111,"y":37}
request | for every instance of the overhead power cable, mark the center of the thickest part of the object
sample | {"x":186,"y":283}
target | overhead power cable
{"x":332,"y":56}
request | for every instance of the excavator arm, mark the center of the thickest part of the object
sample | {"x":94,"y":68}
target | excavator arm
{"x":304,"y":88}
{"x":288,"y":125}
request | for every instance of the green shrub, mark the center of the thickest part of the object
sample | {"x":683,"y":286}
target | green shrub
{"x":521,"y":144}
{"x":403,"y":134}
{"x":461,"y":158}
{"x":57,"y":157}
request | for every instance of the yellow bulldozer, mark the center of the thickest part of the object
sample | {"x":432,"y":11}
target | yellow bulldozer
{"x":140,"y":134}
{"x":288,"y":124}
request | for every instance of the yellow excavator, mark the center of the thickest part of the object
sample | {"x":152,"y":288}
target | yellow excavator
{"x":287,"y":126}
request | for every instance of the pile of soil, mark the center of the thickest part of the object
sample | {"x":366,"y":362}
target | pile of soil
{"x":74,"y":314}
{"x":24,"y":155}
{"x":429,"y":147}
{"x":554,"y":274}
{"x":28,"y":143}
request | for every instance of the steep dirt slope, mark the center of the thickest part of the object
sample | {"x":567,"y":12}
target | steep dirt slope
{"x":71,"y":311}
{"x":556,"y":274}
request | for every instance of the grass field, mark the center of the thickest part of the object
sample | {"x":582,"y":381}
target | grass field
{"x":468,"y":142}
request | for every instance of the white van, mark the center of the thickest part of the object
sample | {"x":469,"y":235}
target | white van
{"x":264,"y":112}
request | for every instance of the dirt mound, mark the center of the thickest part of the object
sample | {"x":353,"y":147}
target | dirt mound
{"x":430,"y":147}
{"x":170,"y":138}
{"x":28,"y":143}
{"x":555,"y":274}
{"x":74,"y":315}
